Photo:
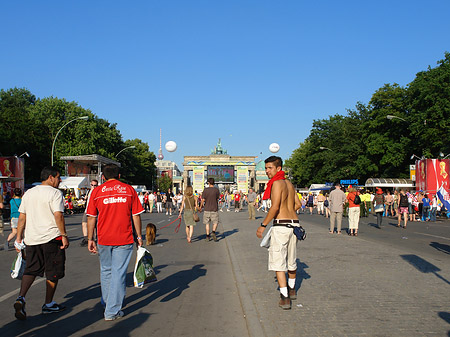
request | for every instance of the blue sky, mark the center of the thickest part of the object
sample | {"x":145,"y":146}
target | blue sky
{"x":248,"y":72}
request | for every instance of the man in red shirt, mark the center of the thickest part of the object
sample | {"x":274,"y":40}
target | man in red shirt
{"x":114,"y":204}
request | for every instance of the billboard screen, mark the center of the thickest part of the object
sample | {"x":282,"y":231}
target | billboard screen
{"x":221,"y":174}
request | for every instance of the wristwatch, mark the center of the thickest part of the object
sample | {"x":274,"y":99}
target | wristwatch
{"x":139,"y":238}
{"x":262,"y":225}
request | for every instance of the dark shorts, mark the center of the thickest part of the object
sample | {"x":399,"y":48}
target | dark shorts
{"x":310,"y":204}
{"x":46,"y":257}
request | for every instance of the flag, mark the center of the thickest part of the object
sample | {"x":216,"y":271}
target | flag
{"x":444,"y":197}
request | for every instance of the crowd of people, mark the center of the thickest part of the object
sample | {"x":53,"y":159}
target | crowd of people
{"x":112,"y":224}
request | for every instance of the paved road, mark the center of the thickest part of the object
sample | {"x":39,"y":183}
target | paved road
{"x":388,"y":282}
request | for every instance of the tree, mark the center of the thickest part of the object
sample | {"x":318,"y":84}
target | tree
{"x":138,"y":164}
{"x":164,"y":183}
{"x":428,"y":104}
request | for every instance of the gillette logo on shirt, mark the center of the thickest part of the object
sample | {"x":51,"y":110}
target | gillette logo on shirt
{"x":113,"y":200}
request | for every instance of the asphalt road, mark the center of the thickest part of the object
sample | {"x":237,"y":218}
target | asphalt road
{"x":195,"y":293}
{"x":385,"y":282}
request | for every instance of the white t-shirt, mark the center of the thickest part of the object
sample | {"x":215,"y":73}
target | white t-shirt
{"x":151,"y":197}
{"x":39,"y":204}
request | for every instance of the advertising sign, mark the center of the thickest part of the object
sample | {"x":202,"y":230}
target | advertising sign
{"x":198,"y":179}
{"x":242,"y":179}
{"x":12,"y":167}
{"x":431,"y":174}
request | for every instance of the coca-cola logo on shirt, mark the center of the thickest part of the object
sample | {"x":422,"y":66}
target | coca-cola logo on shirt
{"x":116,"y":188}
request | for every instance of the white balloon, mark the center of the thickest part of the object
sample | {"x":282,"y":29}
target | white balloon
{"x":274,"y":147}
{"x":171,"y":146}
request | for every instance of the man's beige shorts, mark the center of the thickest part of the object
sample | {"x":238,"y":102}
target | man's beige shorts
{"x":283,"y":249}
{"x":211,"y":216}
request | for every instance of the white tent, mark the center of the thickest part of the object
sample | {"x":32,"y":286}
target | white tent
{"x":77,"y":183}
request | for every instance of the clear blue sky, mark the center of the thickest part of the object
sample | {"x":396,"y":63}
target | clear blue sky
{"x":248,"y":72}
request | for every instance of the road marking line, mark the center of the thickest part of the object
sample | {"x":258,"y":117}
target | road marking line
{"x":16,"y":292}
{"x":161,"y":221}
{"x":435,"y":236}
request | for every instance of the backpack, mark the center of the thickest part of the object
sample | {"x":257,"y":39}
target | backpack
{"x":357,"y":200}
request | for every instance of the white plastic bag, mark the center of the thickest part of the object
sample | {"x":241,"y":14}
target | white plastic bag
{"x":265,"y":242}
{"x":18,"y":266}
{"x":143,"y":269}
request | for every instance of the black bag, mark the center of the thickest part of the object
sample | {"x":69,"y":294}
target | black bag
{"x":326,"y":203}
{"x":357,"y":200}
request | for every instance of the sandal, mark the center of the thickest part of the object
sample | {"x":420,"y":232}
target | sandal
{"x":188,"y":239}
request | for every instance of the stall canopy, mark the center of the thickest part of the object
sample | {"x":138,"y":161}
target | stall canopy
{"x":389,"y":182}
{"x":77,"y":183}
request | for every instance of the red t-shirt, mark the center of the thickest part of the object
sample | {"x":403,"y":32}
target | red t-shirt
{"x":114,"y":202}
{"x":351,"y":199}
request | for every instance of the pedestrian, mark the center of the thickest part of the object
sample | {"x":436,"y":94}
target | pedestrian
{"x":42,"y":229}
{"x":84,"y":241}
{"x":189,"y":205}
{"x":353,"y":212}
{"x":379,"y":206}
{"x":14,"y":203}
{"x":151,"y":201}
{"x":433,"y":208}
{"x":326,"y":205}
{"x":283,"y":242}
{"x":426,"y":208}
{"x":159,"y":202}
{"x":389,"y":202}
{"x":237,"y":198}
{"x":310,"y":202}
{"x":210,"y":198}
{"x":320,"y":201}
{"x":114,"y":204}
{"x":337,"y":200}
{"x":251,"y":200}
{"x":403,"y":208}
{"x":169,"y":202}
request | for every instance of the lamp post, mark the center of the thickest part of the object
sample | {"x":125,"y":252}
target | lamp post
{"x":129,"y":147}
{"x":393,"y":117}
{"x":25,"y":153}
{"x":324,"y":148}
{"x":54,"y":140}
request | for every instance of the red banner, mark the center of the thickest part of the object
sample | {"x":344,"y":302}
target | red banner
{"x":431,"y":174}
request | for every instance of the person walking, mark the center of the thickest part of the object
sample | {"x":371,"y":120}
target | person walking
{"x":353,"y":212}
{"x":42,"y":229}
{"x":283,"y":242}
{"x":189,"y":205}
{"x":14,"y":203}
{"x":251,"y":200}
{"x":336,"y":201}
{"x":159,"y":202}
{"x":210,"y":199}
{"x":169,"y":202}
{"x":403,"y":208}
{"x":379,"y":202}
{"x":237,"y":198}
{"x":84,"y":241}
{"x":151,"y":201}
{"x":115,"y":205}
{"x":320,"y":205}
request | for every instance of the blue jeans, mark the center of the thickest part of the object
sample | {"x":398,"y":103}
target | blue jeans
{"x":113,"y":270}
{"x":433,"y":214}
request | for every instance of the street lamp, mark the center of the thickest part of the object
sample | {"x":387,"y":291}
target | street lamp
{"x":129,"y":147}
{"x":25,"y":153}
{"x":54,"y":140}
{"x":324,"y":148}
{"x":392,"y":117}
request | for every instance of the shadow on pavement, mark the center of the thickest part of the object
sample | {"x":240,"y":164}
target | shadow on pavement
{"x":168,"y":288}
{"x":40,"y":325}
{"x":441,"y":247}
{"x":301,"y":274}
{"x":423,"y":266}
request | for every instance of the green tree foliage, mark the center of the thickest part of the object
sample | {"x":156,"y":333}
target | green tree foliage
{"x":30,"y":124}
{"x":138,"y":164}
{"x":364,"y":143}
{"x":429,"y":109}
{"x":163,"y":183}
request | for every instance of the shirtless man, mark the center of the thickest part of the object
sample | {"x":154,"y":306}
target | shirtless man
{"x":282,"y":251}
